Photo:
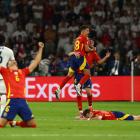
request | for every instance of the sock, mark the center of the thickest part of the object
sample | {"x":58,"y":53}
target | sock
{"x":1,"y":126}
{"x":89,"y":97}
{"x":65,"y":81}
{"x":84,"y":79}
{"x":79,"y":103}
{"x":24,"y":124}
{"x":3,"y":104}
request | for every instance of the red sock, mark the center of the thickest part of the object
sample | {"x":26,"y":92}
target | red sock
{"x":89,"y":97}
{"x":84,"y":79}
{"x":24,"y":124}
{"x":67,"y":78}
{"x":1,"y":126}
{"x":79,"y":103}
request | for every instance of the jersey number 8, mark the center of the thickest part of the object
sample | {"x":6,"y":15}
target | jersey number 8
{"x":77,"y":45}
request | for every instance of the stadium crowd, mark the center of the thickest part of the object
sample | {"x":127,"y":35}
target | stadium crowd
{"x":115,"y":23}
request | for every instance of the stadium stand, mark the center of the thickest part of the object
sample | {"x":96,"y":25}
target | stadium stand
{"x":56,"y":22}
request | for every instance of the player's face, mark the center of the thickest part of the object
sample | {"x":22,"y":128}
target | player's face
{"x":89,"y":115}
{"x":86,"y":32}
{"x":12,"y":63}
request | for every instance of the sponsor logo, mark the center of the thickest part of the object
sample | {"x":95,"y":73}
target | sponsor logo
{"x":34,"y":89}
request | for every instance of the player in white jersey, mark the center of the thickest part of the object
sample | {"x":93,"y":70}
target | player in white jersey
{"x":6,"y":54}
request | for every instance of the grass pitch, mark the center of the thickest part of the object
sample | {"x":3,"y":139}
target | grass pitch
{"x":56,"y":121}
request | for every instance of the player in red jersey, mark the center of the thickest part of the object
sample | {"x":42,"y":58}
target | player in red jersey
{"x":108,"y":115}
{"x":15,"y":84}
{"x":82,"y":46}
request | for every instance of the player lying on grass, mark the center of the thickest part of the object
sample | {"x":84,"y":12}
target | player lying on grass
{"x":14,"y":79}
{"x":108,"y":115}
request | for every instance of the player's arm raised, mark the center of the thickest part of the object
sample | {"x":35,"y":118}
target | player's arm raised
{"x":37,"y":58}
{"x":101,"y":61}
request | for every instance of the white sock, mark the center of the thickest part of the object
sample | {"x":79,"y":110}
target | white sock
{"x":3,"y":103}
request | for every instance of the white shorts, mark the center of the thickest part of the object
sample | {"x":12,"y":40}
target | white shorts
{"x":2,"y":87}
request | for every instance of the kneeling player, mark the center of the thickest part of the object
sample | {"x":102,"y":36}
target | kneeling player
{"x":15,"y":83}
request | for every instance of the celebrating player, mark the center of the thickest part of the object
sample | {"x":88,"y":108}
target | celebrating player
{"x":6,"y":54}
{"x":81,"y":46}
{"x":108,"y":115}
{"x":15,"y":84}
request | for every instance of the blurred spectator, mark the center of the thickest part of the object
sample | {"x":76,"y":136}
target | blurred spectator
{"x":19,"y":32}
{"x":37,"y":9}
{"x":48,"y":12}
{"x":10,"y":26}
{"x":68,"y":46}
{"x":30,"y":26}
{"x":64,"y":65}
{"x":137,"y":65}
{"x":50,"y":40}
{"x":54,"y":68}
{"x":116,"y":66}
{"x":44,"y":66}
{"x":14,"y":15}
{"x":63,"y":39}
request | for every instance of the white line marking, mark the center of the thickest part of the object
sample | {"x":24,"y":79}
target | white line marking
{"x":72,"y":135}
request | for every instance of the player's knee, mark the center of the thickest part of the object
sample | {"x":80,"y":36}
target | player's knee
{"x":89,"y":94}
{"x":87,"y":73}
{"x":2,"y":125}
{"x":3,"y":122}
{"x":34,"y":126}
{"x":32,"y":123}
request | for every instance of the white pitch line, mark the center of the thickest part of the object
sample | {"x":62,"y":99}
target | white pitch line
{"x":67,"y":135}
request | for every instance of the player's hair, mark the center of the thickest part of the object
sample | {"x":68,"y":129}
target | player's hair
{"x":85,"y":112}
{"x":83,"y":27}
{"x":2,"y":39}
{"x":7,"y":65}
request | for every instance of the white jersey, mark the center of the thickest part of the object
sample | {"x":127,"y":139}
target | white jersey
{"x":6,"y":54}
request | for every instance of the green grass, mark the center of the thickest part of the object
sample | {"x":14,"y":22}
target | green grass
{"x":56,"y":121}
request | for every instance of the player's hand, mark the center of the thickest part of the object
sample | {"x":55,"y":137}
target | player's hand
{"x":41,"y":44}
{"x":108,"y":54}
{"x":92,"y":43}
{"x":77,"y":54}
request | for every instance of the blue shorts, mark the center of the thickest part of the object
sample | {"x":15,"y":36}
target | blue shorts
{"x":17,"y":106}
{"x":122,"y":116}
{"x":78,"y":63}
{"x":78,"y":77}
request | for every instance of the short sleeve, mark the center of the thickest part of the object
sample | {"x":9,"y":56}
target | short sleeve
{"x":26,"y":71}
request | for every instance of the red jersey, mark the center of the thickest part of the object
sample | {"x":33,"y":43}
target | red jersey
{"x":91,"y":57}
{"x":14,"y":81}
{"x":106,"y":115}
{"x":80,"y":43}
